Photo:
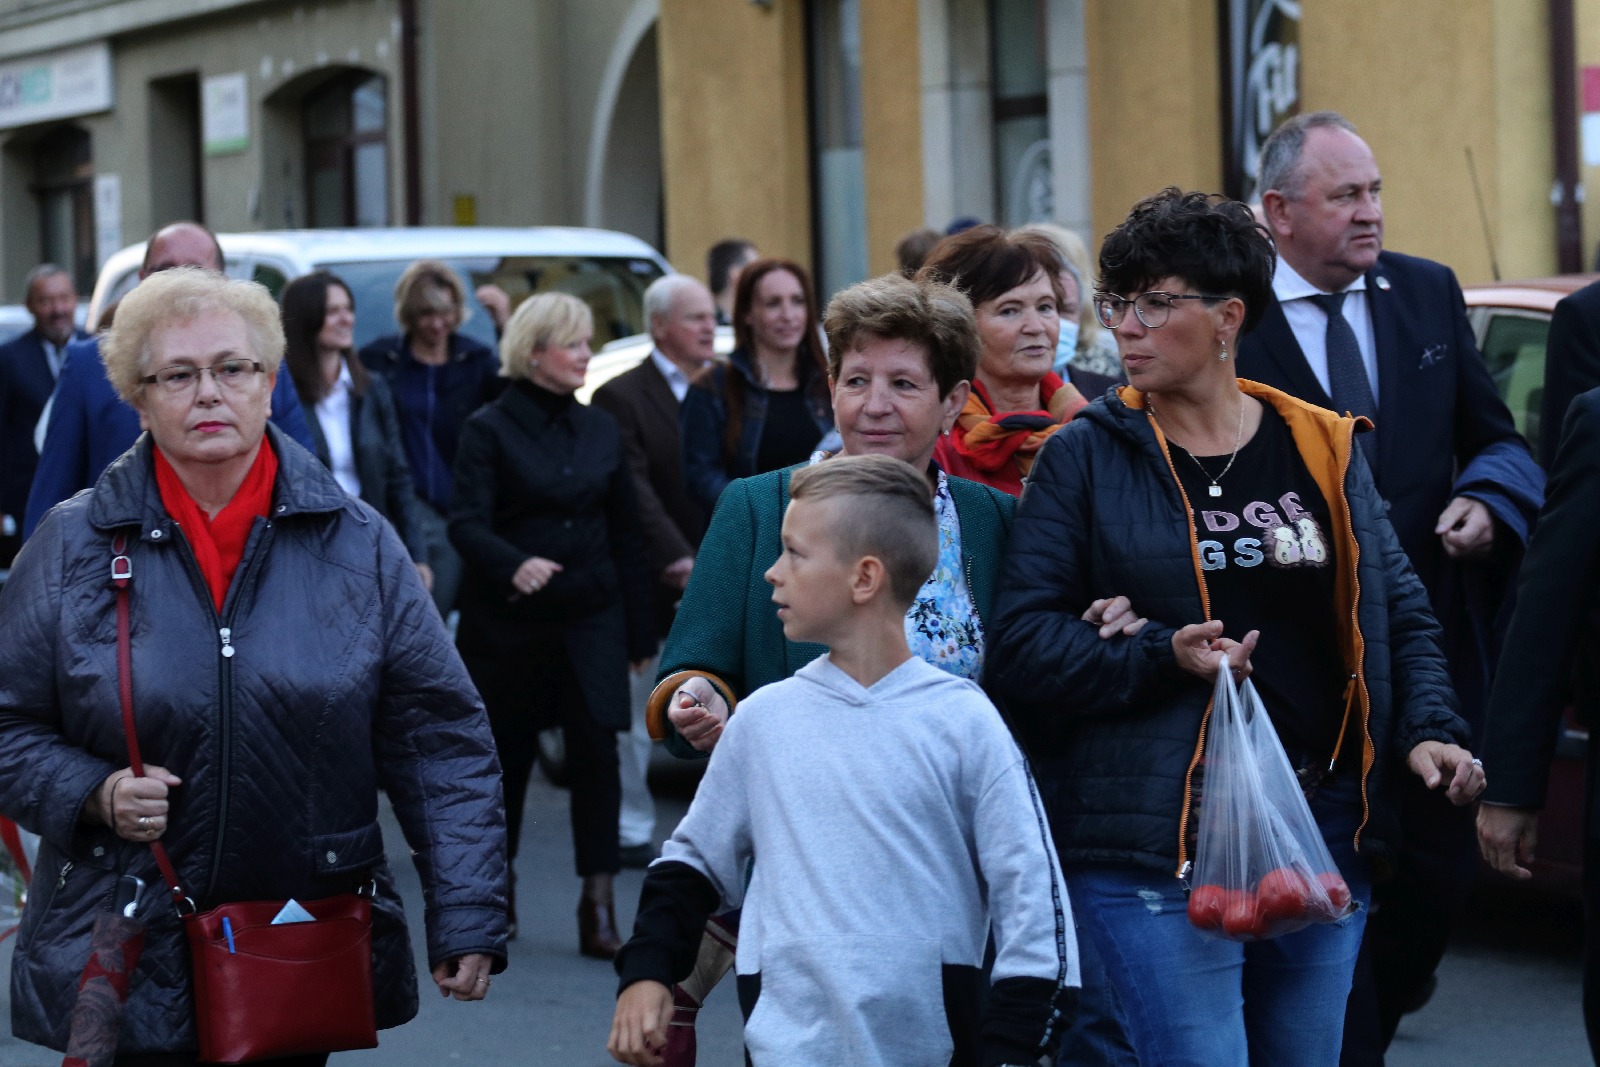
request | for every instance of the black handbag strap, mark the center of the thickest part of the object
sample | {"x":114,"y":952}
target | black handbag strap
{"x":121,"y":576}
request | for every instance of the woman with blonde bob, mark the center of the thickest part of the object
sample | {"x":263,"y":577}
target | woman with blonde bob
{"x":260,"y":595}
{"x":556,"y":599}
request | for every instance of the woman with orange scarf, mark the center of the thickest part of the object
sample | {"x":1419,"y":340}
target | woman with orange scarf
{"x":1017,"y":402}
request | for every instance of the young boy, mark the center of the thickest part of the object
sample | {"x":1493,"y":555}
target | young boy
{"x":883,"y":816}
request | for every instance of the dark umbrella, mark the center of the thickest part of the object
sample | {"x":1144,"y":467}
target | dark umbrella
{"x":103,"y":990}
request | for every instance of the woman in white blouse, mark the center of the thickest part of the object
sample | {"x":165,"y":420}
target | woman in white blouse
{"x":351,"y":412}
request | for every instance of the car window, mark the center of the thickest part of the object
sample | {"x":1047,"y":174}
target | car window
{"x":271,"y":277}
{"x":1513,"y":347}
{"x":612,"y":287}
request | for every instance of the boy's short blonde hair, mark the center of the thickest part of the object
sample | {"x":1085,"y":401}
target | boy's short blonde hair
{"x":890,"y":515}
{"x":541,"y":321}
{"x":178,"y":295}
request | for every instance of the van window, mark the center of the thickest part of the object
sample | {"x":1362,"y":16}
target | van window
{"x":612,"y":287}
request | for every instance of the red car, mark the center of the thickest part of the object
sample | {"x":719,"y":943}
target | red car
{"x":1511,"y":320}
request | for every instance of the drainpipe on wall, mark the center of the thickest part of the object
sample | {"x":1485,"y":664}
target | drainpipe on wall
{"x":410,"y":112}
{"x":1566,"y":195}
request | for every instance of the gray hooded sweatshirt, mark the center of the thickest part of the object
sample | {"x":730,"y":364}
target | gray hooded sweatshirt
{"x":888,"y":830}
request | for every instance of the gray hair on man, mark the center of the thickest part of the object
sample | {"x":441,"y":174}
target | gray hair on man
{"x":1279,"y":166}
{"x":39,"y":274}
{"x":662,"y":292}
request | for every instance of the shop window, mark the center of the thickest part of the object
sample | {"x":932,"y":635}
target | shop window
{"x":347,"y":152}
{"x":839,"y":206}
{"x":1019,"y":34}
{"x":64,"y":190}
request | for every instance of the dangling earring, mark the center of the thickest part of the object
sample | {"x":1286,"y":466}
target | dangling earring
{"x":1223,"y":355}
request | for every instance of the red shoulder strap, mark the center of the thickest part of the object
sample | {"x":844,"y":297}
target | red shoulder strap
{"x":121,"y":575}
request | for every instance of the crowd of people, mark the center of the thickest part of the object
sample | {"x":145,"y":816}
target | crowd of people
{"x":941,"y":572}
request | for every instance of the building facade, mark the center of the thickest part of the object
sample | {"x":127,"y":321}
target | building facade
{"x":822,"y":130}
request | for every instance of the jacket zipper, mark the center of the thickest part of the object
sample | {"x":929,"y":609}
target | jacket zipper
{"x":1359,"y":678}
{"x":1184,"y":866}
{"x":226,"y":650}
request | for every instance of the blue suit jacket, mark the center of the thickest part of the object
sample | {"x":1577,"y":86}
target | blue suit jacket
{"x":90,"y":426}
{"x":25,"y":385}
{"x":1438,"y":412}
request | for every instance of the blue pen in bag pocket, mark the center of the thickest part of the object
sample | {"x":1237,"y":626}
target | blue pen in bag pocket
{"x":227,"y":932}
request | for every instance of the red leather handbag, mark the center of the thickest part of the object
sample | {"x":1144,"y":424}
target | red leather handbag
{"x":262,"y":989}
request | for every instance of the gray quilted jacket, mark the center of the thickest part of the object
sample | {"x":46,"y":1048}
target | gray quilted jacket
{"x":327,"y":675}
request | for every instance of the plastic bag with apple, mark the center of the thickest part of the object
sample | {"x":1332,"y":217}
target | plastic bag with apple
{"x":1261,"y":868}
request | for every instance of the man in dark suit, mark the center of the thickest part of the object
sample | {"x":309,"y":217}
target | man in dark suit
{"x":644,"y":401}
{"x":1571,"y":364}
{"x":89,"y":425}
{"x":1552,"y":646}
{"x":29,"y":366}
{"x":1360,"y":330}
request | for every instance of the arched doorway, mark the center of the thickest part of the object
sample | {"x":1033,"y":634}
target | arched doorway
{"x":623,"y":190}
{"x":326,"y":151}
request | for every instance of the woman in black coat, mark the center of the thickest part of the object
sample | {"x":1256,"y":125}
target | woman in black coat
{"x":556,"y":600}
{"x":350,"y":411}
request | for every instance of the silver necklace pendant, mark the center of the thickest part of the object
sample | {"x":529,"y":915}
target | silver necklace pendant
{"x":1215,"y":490}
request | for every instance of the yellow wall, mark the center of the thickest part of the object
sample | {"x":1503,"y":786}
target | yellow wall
{"x":733,"y":128}
{"x":891,"y":113}
{"x":1155,"y":117}
{"x":1588,"y":34}
{"x":1435,"y":77}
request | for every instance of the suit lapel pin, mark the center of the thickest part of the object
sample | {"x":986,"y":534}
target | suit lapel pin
{"x":1383,"y":283}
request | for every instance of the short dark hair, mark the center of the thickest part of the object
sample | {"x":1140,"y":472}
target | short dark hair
{"x":304,"y":304}
{"x":911,"y":251}
{"x":891,"y":516}
{"x":987,"y":261}
{"x":895,"y":308}
{"x":721,"y":259}
{"x":1279,"y":165}
{"x":1214,"y":244}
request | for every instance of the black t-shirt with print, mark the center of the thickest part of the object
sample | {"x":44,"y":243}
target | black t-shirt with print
{"x":1268,"y":562}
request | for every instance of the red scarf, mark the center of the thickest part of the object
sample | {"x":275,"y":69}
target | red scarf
{"x":991,"y":440}
{"x":218,"y":544}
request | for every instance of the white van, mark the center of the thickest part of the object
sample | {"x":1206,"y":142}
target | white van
{"x":608,"y":270}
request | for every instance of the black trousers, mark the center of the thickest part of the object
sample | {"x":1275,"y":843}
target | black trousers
{"x":518,"y":710}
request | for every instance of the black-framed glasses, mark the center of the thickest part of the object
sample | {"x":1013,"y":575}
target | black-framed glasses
{"x":1152,"y":308}
{"x":180,"y":378}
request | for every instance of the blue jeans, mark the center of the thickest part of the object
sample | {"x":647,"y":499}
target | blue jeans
{"x":1191,"y":1000}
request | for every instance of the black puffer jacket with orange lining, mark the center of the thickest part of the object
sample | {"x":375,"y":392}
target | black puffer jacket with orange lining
{"x":1115,"y":728}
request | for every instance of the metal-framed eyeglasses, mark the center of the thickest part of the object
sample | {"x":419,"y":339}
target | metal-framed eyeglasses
{"x":181,"y":378}
{"x":1152,"y":308}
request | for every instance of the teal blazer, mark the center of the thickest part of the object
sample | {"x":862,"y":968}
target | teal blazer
{"x":726,"y":626}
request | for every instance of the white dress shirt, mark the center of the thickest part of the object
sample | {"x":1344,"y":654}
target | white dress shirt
{"x":1310,"y":323}
{"x":677,"y":381}
{"x":333,"y":415}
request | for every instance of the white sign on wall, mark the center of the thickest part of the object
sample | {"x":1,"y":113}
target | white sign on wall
{"x":107,"y":215}
{"x":55,"y":85}
{"x":225,"y":113}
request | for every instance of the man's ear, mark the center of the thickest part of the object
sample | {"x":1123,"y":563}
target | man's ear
{"x":868,"y":579}
{"x":1275,"y":209}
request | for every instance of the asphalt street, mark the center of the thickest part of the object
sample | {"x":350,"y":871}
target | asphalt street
{"x":1508,"y":991}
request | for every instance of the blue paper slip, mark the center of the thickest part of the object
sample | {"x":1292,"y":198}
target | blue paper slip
{"x":293,"y":913}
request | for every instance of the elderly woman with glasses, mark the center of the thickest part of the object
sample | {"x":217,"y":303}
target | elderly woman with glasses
{"x":285,"y":663}
{"x":1246,"y":525}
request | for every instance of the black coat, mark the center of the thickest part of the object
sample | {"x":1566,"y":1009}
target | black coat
{"x":380,"y":459}
{"x":1571,"y":365}
{"x":1555,"y":630}
{"x":541,"y":475}
{"x":343,"y":680}
{"x":1114,"y":725}
{"x":25,"y":385}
